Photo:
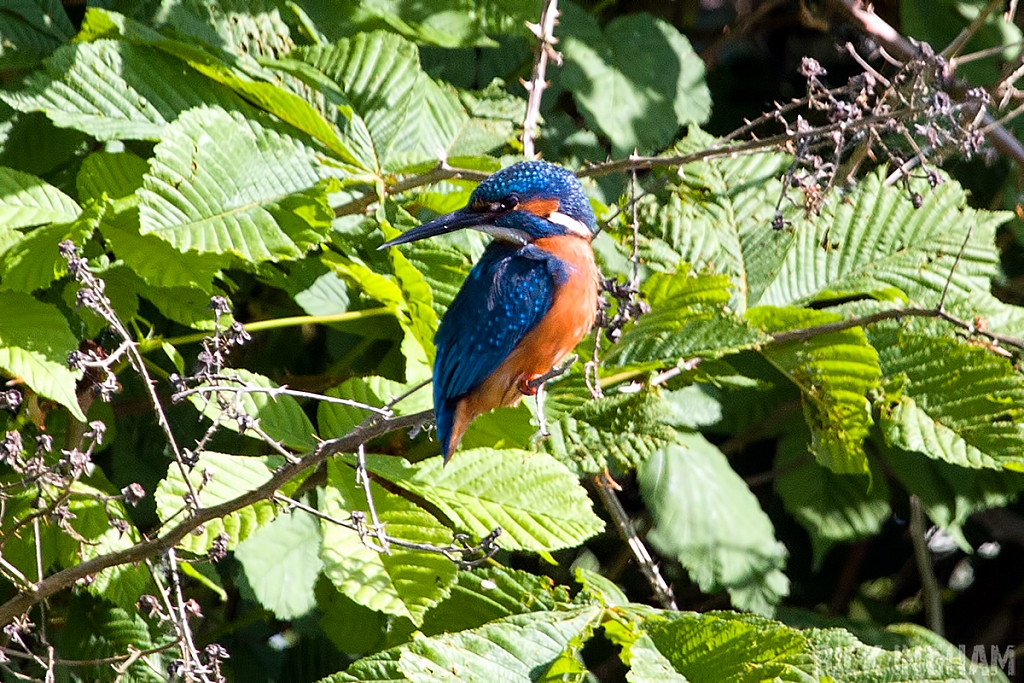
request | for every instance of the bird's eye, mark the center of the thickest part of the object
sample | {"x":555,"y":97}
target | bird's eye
{"x":509,"y":203}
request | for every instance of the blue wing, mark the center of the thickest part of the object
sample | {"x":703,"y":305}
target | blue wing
{"x":506,"y":294}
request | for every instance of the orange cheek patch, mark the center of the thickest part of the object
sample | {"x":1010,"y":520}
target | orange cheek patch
{"x":540,"y":207}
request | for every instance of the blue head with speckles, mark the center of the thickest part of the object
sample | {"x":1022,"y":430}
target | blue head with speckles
{"x":522,"y":203}
{"x":536,"y":197}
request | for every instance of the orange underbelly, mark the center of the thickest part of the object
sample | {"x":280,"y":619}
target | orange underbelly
{"x":570,"y":318}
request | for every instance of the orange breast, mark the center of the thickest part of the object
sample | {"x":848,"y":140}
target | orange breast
{"x":572,"y":313}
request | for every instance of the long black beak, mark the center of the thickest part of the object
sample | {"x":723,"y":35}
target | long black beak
{"x":456,"y":220}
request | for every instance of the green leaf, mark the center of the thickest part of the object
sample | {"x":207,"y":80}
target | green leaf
{"x":707,"y":518}
{"x":26,"y":200}
{"x":647,"y":664}
{"x":280,"y":416}
{"x":949,"y":400}
{"x":725,"y":647}
{"x":408,"y":117}
{"x":113,"y":90}
{"x":156,"y":262}
{"x":282,"y":561}
{"x":484,"y":595}
{"x":32,"y":29}
{"x":115,"y":174}
{"x":689,"y":318}
{"x":618,"y":431}
{"x":96,"y":629}
{"x":716,"y":215}
{"x":34,"y":344}
{"x":35,"y":261}
{"x":844,"y":659}
{"x":227,"y":477}
{"x":834,"y":508}
{"x":654,"y":90}
{"x":403,"y":583}
{"x":515,"y":649}
{"x":834,"y":372}
{"x":221,"y":183}
{"x":872,"y":241}
{"x":535,"y":500}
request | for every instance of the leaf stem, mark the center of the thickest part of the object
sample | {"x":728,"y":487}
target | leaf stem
{"x":153,"y":343}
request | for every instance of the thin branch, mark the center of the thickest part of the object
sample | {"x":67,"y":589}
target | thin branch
{"x":660,"y":588}
{"x":635,"y":161}
{"x":897,"y":314}
{"x":274,"y":392}
{"x":104,"y":661}
{"x":441,"y":172}
{"x":370,"y":429}
{"x":154,"y":343}
{"x":894,"y":43}
{"x":929,"y":584}
{"x":545,"y":33}
{"x":953,"y":49}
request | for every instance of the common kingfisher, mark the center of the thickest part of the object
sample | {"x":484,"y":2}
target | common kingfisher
{"x":528,"y":301}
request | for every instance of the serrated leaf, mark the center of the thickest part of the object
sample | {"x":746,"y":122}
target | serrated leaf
{"x":403,"y":583}
{"x":280,"y":416}
{"x":536,"y":501}
{"x":717,"y":216}
{"x":655,"y":90}
{"x":408,"y":117}
{"x":156,"y":261}
{"x":515,"y":649}
{"x":27,"y":200}
{"x":219,"y":182}
{"x":229,"y":476}
{"x":844,"y":659}
{"x":115,"y":90}
{"x":647,"y":664}
{"x":834,"y":372}
{"x":688,"y":319}
{"x":873,"y":241}
{"x":483,"y":595}
{"x":834,"y":508}
{"x":949,"y":400}
{"x":618,"y":431}
{"x":96,"y":629}
{"x":724,"y":647}
{"x":282,"y":562}
{"x":707,"y":518}
{"x":34,"y":344}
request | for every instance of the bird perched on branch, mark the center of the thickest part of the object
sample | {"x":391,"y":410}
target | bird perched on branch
{"x":525,"y":305}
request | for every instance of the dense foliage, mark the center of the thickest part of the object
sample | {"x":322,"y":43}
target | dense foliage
{"x":216,"y":458}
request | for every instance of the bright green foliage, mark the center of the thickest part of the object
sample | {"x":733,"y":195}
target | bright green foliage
{"x":34,"y":344}
{"x":689,"y":318}
{"x":706,"y":517}
{"x":262,"y":151}
{"x":834,"y":372}
{"x":961,"y":404}
{"x":403,"y":582}
{"x":532,"y":497}
{"x":217,"y":479}
{"x":271,"y":208}
{"x":282,"y":561}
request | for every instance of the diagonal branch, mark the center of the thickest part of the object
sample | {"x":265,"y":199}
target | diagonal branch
{"x":370,"y":429}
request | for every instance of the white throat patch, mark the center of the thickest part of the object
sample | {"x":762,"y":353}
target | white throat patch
{"x":504,"y":234}
{"x":571,"y":224}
